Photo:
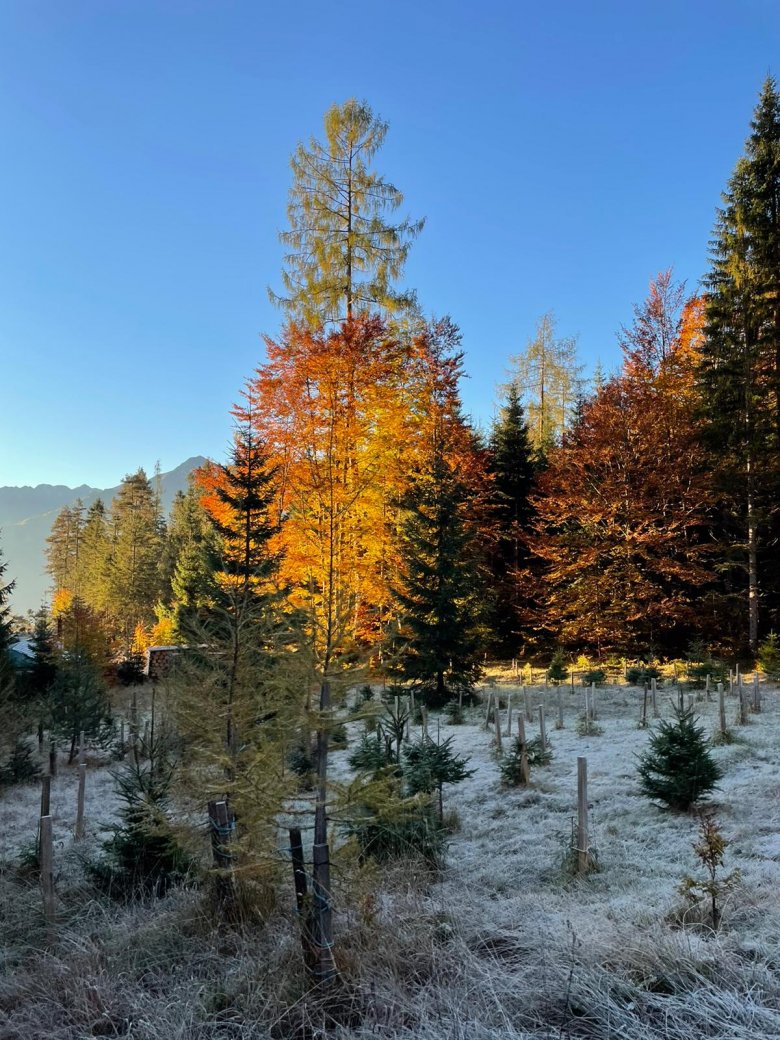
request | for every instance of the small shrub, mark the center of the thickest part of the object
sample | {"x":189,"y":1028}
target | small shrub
{"x":365,"y":696}
{"x":594,"y":675}
{"x":586,"y":727}
{"x":713,"y":887}
{"x":300,"y":760}
{"x":428,"y":766}
{"x":20,"y":767}
{"x":558,"y":671}
{"x":454,"y":713}
{"x":769,"y":656}
{"x":374,"y":752}
{"x":401,"y":828}
{"x":678,"y":768}
{"x":143,"y":855}
{"x":639,"y":674}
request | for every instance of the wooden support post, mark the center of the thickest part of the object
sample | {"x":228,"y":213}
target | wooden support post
{"x":542,"y":728}
{"x":424,"y":715}
{"x":583,"y":851}
{"x":560,"y":707}
{"x":527,"y":705}
{"x":324,"y":972}
{"x":82,"y":749}
{"x":46,"y":861}
{"x":743,"y":706}
{"x":302,"y":903}
{"x":497,"y":718}
{"x":643,"y":716}
{"x":525,"y":769}
{"x":80,"y":824}
{"x":593,"y":713}
{"x":731,"y":682}
{"x":487,"y":710}
{"x":45,"y":795}
{"x":691,"y":701}
{"x":756,"y":693}
{"x":52,"y":759}
{"x":654,"y":696}
{"x":722,"y":708}
{"x":707,"y":681}
{"x":509,"y":714}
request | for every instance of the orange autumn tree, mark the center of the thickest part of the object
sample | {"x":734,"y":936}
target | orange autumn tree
{"x":623,"y":524}
{"x":331,"y":411}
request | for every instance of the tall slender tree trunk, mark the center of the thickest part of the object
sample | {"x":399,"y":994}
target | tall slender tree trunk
{"x":752,"y":554}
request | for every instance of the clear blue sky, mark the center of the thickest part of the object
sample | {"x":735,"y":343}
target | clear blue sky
{"x":562,"y":152}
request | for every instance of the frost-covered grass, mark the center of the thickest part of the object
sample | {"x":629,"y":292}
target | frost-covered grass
{"x":504,"y":944}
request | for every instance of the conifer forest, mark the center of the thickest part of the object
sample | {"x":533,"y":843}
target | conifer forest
{"x":399,"y":726}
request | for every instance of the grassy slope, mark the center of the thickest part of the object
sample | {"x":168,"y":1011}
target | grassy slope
{"x":503,"y":946}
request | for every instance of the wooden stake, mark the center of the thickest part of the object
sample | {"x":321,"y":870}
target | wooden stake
{"x":487,"y":712}
{"x":542,"y":729}
{"x":52,"y":759}
{"x":525,"y":769}
{"x":497,"y":718}
{"x":722,"y":708}
{"x":560,"y":707}
{"x":322,"y":917}
{"x":301,"y":896}
{"x":743,"y":706}
{"x":509,"y":714}
{"x":424,"y":715}
{"x":654,"y":696}
{"x":47,"y":874}
{"x":593,"y":714}
{"x":527,"y":703}
{"x":756,"y":693}
{"x":45,"y":795}
{"x":583,"y":852}
{"x":82,"y":749}
{"x":643,"y":717}
{"x":80,"y":826}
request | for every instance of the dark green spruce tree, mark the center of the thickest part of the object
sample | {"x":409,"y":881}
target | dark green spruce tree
{"x":441,"y":593}
{"x":512,"y":468}
{"x":740,"y":371}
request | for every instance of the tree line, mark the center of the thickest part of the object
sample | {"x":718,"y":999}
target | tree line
{"x":631,"y":514}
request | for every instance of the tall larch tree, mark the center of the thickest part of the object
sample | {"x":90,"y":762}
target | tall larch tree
{"x":740,"y":371}
{"x":548,"y":377}
{"x":345,"y":254}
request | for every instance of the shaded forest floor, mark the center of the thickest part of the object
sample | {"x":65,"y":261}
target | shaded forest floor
{"x":504,"y":944}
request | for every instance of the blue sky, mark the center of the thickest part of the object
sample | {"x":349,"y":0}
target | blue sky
{"x":562,"y":152}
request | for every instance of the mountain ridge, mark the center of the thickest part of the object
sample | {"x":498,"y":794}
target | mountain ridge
{"x":26,"y":515}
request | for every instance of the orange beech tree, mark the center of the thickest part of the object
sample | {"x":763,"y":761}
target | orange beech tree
{"x":623,"y":511}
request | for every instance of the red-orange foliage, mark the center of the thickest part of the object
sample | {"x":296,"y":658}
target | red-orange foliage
{"x":623,"y":510}
{"x":345,"y":416}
